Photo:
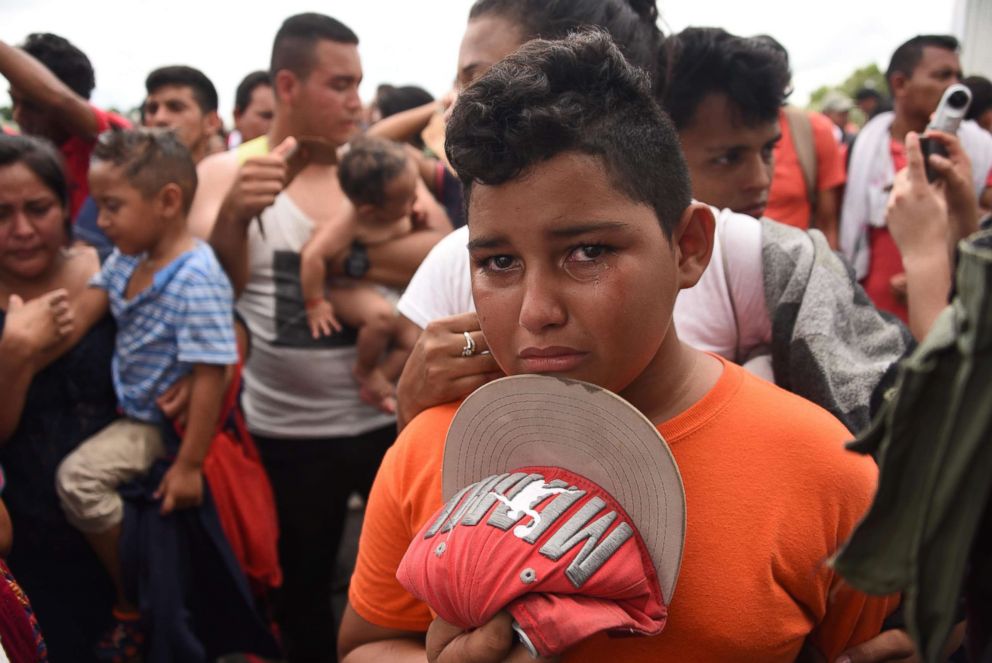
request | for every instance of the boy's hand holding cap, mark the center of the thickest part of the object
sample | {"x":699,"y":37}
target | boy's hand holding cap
{"x":564,"y":507}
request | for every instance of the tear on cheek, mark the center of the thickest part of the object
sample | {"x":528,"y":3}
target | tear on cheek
{"x":586,"y":273}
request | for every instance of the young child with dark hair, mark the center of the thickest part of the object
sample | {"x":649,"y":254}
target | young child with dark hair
{"x":380,"y":180}
{"x":173,"y":306}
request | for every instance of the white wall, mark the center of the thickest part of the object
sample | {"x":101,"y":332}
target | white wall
{"x":973,"y":25}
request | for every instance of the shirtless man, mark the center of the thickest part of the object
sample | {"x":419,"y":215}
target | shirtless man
{"x":318,"y":440}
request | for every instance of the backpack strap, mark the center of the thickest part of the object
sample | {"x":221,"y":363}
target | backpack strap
{"x":802,"y":139}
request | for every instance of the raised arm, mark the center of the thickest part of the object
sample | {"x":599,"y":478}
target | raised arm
{"x":926,"y":221}
{"x":402,"y":126}
{"x":255,"y":187}
{"x":33,"y":80}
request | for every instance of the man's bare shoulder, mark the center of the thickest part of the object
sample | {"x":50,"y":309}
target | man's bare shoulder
{"x":215,"y":175}
{"x":218,"y":165}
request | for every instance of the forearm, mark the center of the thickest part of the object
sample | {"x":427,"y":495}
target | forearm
{"x":928,"y":283}
{"x":393,"y":263}
{"x":825,"y":216}
{"x":400,"y":650}
{"x":37,"y":83}
{"x":229,"y":240}
{"x":206,"y":394}
{"x":313,"y":274}
{"x":405,"y":124}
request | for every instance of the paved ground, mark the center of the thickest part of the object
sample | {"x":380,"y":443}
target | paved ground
{"x":344,"y":566}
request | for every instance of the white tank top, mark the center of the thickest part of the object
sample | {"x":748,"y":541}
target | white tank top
{"x":295,"y":387}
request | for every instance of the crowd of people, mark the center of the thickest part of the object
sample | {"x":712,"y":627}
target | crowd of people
{"x":594,"y":200}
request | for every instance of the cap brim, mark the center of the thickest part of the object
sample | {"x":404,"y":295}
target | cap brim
{"x":535,"y":420}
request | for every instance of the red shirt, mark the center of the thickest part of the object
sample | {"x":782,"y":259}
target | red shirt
{"x":886,"y":260}
{"x":788,"y":201}
{"x":77,"y":150}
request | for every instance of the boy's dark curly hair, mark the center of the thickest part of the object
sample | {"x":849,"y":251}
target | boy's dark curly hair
{"x":578,"y":94}
{"x":753,"y":75}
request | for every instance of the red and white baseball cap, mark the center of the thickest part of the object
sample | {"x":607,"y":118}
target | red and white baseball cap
{"x":564,"y":506}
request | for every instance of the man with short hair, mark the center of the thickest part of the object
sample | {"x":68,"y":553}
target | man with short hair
{"x":50,"y":85}
{"x":318,"y":439}
{"x":919,"y":73}
{"x":808,"y":165}
{"x":254,"y":108}
{"x":724,"y":94}
{"x":183,"y":99}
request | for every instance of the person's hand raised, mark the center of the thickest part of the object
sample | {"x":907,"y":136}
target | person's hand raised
{"x":955,"y":174}
{"x":259,"y":180}
{"x":917,"y":213}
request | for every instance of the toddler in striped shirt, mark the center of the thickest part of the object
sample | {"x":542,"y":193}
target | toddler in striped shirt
{"x":173,"y":306}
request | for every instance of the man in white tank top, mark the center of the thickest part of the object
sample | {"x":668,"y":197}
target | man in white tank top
{"x":318,"y":440}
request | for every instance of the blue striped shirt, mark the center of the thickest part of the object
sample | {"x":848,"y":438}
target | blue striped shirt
{"x":185,"y":317}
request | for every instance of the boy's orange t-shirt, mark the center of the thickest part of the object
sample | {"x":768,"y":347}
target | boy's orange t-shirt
{"x":771,"y":494}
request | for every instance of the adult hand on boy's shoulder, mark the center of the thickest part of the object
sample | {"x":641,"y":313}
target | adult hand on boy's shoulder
{"x":438,"y":371}
{"x":181,"y":487}
{"x":493,"y":642}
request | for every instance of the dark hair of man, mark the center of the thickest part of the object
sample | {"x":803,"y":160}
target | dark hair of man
{"x":573,"y":95}
{"x":242,"y":97}
{"x":633,"y":25}
{"x":69,"y":64}
{"x":299,"y":35}
{"x":178,"y":75}
{"x":149,"y":159}
{"x":702,"y":61}
{"x":867,"y":93}
{"x":906,"y":58}
{"x":981,"y":95}
{"x":391,"y":100}
{"x":41,"y":158}
{"x":368,"y":167}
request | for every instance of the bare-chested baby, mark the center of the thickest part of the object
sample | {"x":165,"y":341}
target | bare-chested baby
{"x":380,"y":180}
